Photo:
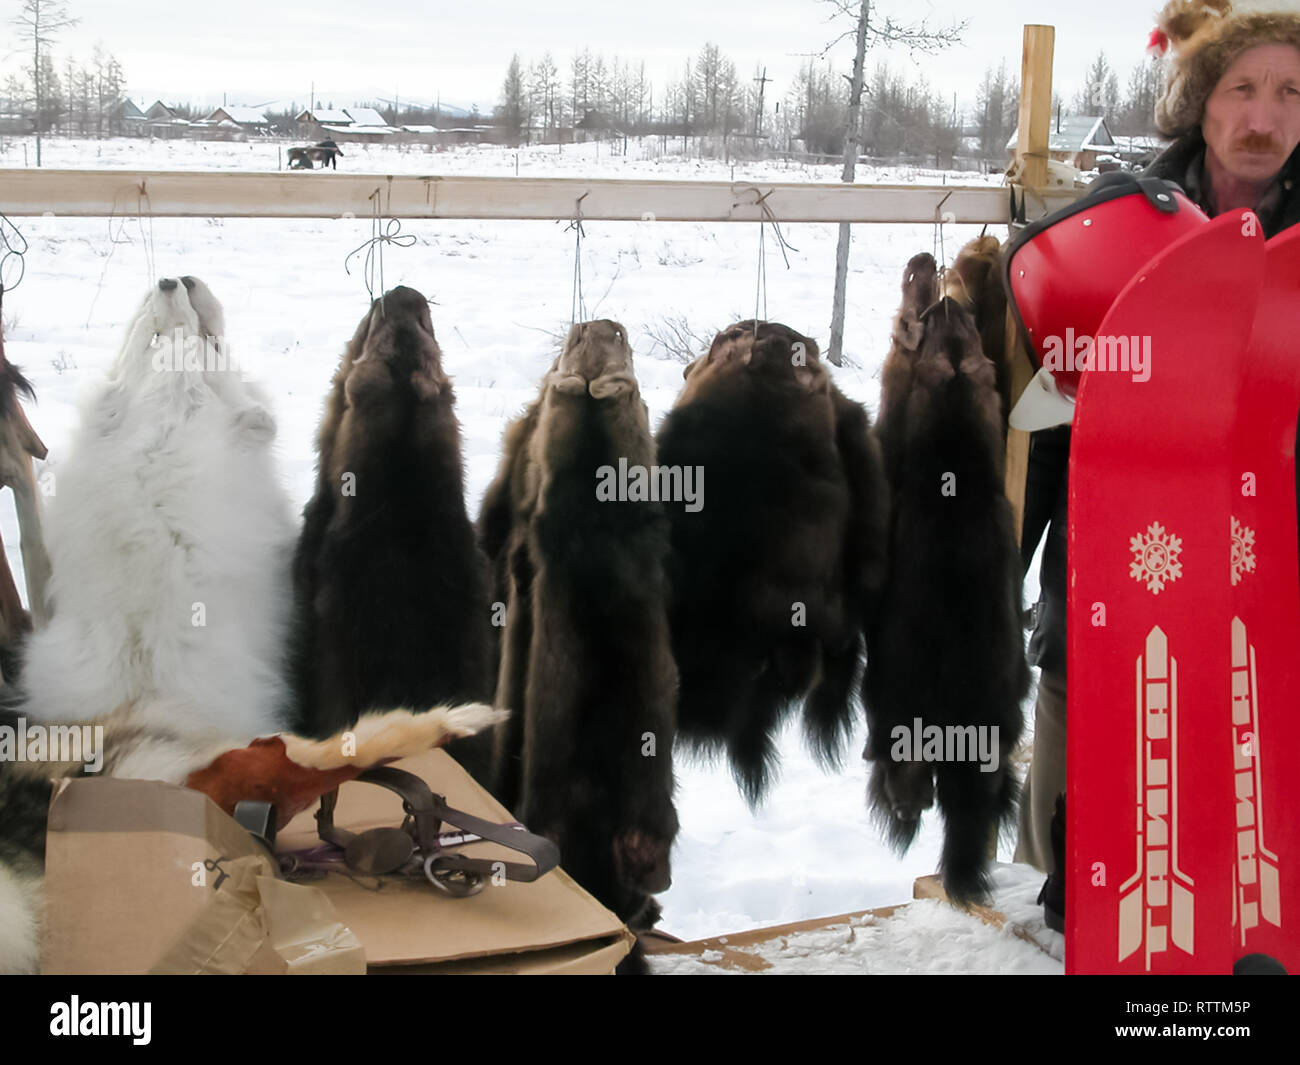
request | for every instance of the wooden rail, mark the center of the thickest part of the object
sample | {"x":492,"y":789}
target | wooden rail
{"x":311,"y":194}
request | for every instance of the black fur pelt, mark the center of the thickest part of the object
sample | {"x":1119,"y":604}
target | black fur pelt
{"x":776,"y":576}
{"x":391,"y":588}
{"x":585,"y":666}
{"x":946,"y":646}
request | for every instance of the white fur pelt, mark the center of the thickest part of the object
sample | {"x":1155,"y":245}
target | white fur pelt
{"x":170,"y":538}
{"x":20,"y":922}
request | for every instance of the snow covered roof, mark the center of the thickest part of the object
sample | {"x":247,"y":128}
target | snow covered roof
{"x":373,"y":131}
{"x":244,"y":116}
{"x":420,"y":129}
{"x":1078,"y":133}
{"x":364,"y":116}
{"x":325,"y":114}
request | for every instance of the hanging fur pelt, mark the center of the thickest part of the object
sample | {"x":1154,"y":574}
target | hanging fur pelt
{"x":586,"y":667}
{"x":776,"y":571}
{"x":946,"y":668}
{"x":390,"y":585}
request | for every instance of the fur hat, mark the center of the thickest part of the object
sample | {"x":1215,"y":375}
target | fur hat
{"x":1203,"y":38}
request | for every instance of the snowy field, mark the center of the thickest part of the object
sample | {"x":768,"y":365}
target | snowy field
{"x":502,"y":295}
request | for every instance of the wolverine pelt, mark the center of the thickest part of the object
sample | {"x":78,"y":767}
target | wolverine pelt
{"x":775,"y":577}
{"x":946,"y":646}
{"x":585,"y":663}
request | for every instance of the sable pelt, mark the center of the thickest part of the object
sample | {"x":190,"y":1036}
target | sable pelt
{"x":391,"y":588}
{"x":794,"y":517}
{"x":586,"y":667}
{"x":975,"y":281}
{"x":946,"y":646}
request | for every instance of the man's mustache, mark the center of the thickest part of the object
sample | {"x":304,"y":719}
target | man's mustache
{"x":1257,"y":142}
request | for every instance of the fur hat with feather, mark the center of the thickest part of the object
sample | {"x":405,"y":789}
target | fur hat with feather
{"x":1201,"y":38}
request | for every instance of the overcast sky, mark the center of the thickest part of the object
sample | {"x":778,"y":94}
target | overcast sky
{"x":260,"y":51}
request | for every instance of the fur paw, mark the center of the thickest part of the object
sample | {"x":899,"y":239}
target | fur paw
{"x":641,"y":861}
{"x":255,"y":424}
{"x":569,"y":384}
{"x":611,"y":385}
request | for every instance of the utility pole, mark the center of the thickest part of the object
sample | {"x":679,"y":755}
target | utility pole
{"x":758,"y":118}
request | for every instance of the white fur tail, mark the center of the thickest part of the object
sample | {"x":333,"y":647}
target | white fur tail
{"x":392,"y":734}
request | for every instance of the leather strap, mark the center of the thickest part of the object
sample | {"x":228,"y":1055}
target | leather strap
{"x":390,"y":850}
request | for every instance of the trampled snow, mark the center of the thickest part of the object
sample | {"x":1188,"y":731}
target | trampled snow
{"x":503,"y":293}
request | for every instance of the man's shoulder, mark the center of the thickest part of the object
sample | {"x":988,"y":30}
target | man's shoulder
{"x":1173,"y":163}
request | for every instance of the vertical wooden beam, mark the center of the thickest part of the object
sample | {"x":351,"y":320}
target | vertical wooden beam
{"x":1032,"y":150}
{"x":1036,"y":103}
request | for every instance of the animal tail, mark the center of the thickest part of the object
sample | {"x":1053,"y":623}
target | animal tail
{"x":975,"y":807}
{"x":898,"y":794}
{"x":750,"y":745}
{"x":392,"y":734}
{"x":828,"y":713}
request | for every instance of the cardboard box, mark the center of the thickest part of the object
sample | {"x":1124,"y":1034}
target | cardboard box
{"x":146,"y":877}
{"x":548,"y":926}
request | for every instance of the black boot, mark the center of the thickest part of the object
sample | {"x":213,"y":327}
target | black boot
{"x":1053,"y":894}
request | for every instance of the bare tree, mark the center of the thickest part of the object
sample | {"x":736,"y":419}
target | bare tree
{"x":868,"y":32}
{"x":40,"y":20}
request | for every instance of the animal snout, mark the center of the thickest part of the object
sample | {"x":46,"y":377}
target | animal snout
{"x":167,"y":284}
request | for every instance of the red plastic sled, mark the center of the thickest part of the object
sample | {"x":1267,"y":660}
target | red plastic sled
{"x":1150,"y":814}
{"x":1264,"y":731}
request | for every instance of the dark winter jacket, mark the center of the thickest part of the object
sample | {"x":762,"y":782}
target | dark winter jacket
{"x":1046,"y":488}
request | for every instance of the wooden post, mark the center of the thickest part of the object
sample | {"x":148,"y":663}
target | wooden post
{"x":1032,"y":150}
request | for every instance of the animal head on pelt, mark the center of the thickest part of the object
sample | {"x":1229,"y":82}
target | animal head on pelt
{"x":174,"y":310}
{"x":596,"y":362}
{"x":596,"y":354}
{"x":392,"y":362}
{"x":766,"y":355}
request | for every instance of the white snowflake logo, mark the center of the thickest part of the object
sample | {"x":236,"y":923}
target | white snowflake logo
{"x":1155,"y":557}
{"x":1243,"y":550}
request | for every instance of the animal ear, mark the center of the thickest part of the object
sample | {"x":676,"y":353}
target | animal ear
{"x":812,"y":377}
{"x":429,"y":383}
{"x":31,"y":443}
{"x":365,"y":380}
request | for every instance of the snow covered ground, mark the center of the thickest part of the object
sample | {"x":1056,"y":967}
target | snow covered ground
{"x":926,"y":936}
{"x":502,"y":293}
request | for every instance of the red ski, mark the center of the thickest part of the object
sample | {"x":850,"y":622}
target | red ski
{"x":1261,"y":725}
{"x":1150,"y":817}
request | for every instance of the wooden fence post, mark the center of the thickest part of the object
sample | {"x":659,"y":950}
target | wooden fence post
{"x":1032,"y":150}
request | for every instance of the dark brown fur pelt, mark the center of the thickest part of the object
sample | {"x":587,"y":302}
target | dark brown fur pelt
{"x":775,"y":577}
{"x":946,"y":646}
{"x":586,"y":667}
{"x":390,"y":584}
{"x":975,"y":281}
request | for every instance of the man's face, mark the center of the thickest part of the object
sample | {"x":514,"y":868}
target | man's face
{"x":1252,"y":118}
